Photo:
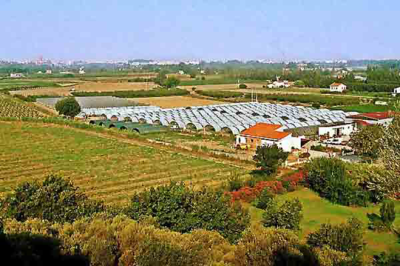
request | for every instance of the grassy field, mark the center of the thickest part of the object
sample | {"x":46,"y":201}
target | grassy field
{"x":364,"y":108}
{"x":174,"y":101}
{"x":318,"y":211}
{"x":106,"y":169}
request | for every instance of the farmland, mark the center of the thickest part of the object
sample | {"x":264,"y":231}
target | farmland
{"x":12,"y":108}
{"x":104,"y":168}
{"x":174,"y":101}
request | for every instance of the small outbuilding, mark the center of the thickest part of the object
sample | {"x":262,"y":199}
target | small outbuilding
{"x":334,"y":130}
{"x":338,"y":87}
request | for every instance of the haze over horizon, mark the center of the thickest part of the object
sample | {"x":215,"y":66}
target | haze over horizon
{"x":186,"y":30}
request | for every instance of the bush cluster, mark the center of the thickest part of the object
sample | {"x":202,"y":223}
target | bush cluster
{"x":183,"y":209}
{"x":329,"y":178}
{"x":287,"y":215}
{"x":220,"y":94}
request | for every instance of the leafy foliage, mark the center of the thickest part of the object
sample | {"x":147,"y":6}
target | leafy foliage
{"x":329,"y":178}
{"x":268,"y":158}
{"x":346,"y":237}
{"x":68,"y":106}
{"x":265,"y":198}
{"x":183,"y":209}
{"x":268,"y":246}
{"x":171,"y":82}
{"x":387,"y":259}
{"x":366,"y":141}
{"x":55,"y":199}
{"x":242,"y":86}
{"x":387,"y":216}
{"x":390,"y":153}
{"x":287,"y":216}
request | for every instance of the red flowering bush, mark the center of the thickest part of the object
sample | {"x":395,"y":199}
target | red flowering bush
{"x":292,"y":181}
{"x":248,"y":194}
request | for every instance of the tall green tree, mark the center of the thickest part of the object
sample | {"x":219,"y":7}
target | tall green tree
{"x":68,"y":106}
{"x":268,"y":158}
{"x":366,"y":141}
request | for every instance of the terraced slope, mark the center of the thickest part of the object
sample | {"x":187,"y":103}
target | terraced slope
{"x":104,"y":168}
{"x":11,"y":108}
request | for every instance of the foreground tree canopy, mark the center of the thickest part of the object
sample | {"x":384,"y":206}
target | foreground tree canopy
{"x":183,"y":209}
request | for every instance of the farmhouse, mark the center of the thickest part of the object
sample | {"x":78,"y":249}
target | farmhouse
{"x":267,"y":135}
{"x":338,"y":87}
{"x":380,"y":118}
{"x":396,"y":92}
{"x":279,"y":84}
{"x":16,"y":75}
{"x":336,"y":129}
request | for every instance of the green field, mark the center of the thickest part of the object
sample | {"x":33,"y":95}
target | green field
{"x":318,"y":211}
{"x":364,"y":108}
{"x":106,"y":169}
{"x":19,"y":84}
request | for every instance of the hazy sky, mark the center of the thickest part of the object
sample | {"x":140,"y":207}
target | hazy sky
{"x":202,"y":29}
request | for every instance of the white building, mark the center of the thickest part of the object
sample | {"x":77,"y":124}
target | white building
{"x":16,"y":75}
{"x":336,"y":130}
{"x":267,"y":135}
{"x":49,"y":72}
{"x":338,"y":87}
{"x":279,"y":84}
{"x":396,"y":92}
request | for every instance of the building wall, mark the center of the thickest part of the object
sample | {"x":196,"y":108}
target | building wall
{"x":286,"y":143}
{"x":346,"y":130}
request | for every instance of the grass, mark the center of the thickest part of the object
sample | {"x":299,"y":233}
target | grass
{"x":106,"y":169}
{"x":137,"y":94}
{"x":12,"y":85}
{"x":220,"y":94}
{"x":309,"y":98}
{"x":364,"y":108}
{"x":318,"y":211}
{"x":216,"y":81}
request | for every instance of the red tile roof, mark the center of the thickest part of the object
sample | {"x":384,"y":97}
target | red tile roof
{"x":373,"y":116}
{"x":336,"y":84}
{"x":268,"y":131}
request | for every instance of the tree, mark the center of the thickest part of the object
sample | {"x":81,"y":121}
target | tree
{"x":242,"y":86}
{"x":68,"y":106}
{"x":161,"y":77}
{"x":346,"y":237}
{"x":171,"y":82}
{"x":268,"y":158}
{"x":287,"y":216}
{"x":388,"y":213}
{"x":366,"y":141}
{"x":55,"y":199}
{"x":390,"y":153}
{"x":184,"y":209}
{"x":299,"y":83}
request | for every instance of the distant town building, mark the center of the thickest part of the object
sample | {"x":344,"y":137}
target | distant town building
{"x":16,"y":75}
{"x":49,"y":72}
{"x":338,"y":87}
{"x":181,"y":72}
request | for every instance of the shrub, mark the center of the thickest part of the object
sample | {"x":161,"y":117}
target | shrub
{"x":55,"y":199}
{"x":220,"y":94}
{"x":388,"y":213}
{"x":326,"y":256}
{"x":328,"y":177}
{"x":387,"y":259}
{"x":287,"y":216}
{"x":267,"y":246}
{"x":264,"y":199}
{"x":268,"y":158}
{"x":68,"y":106}
{"x":242,"y":86}
{"x":183,"y":209}
{"x":249,"y":194}
{"x":316,"y":105}
{"x":346,"y":237}
{"x":292,"y":181}
{"x":234,"y":183}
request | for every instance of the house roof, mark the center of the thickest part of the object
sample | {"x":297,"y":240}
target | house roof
{"x":336,"y":84}
{"x":263,"y":130}
{"x":373,"y":116}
